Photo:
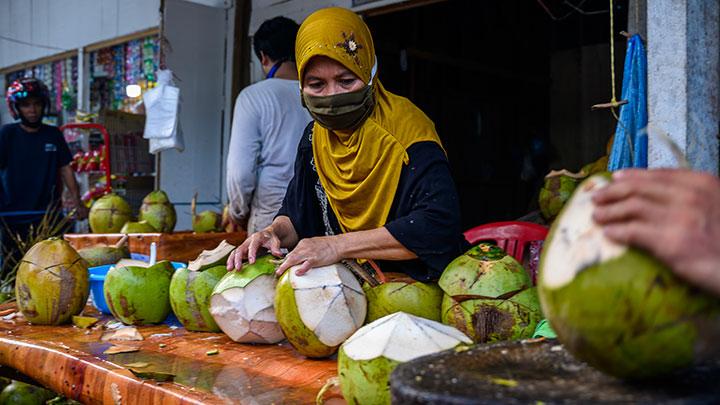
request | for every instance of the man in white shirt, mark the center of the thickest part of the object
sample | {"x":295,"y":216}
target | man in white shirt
{"x":268,"y":122}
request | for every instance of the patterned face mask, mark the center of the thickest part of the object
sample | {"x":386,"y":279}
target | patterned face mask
{"x":345,"y":111}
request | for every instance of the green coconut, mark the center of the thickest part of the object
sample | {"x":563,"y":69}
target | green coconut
{"x":616,"y":307}
{"x":19,"y":393}
{"x":99,"y":255}
{"x":401,"y":293}
{"x":227,"y":220}
{"x":190,"y":297}
{"x":598,"y":166}
{"x":157,"y":210}
{"x":206,"y":221}
{"x":52,"y":283}
{"x":489,"y":296}
{"x":138,"y":227}
{"x":556,"y":191}
{"x":138,"y":295}
{"x":493,"y":320}
{"x":242,"y":303}
{"x":319,"y":310}
{"x":370,"y":355}
{"x":109,"y":214}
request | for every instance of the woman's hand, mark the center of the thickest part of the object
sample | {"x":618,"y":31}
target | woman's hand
{"x":673,"y":214}
{"x":312,"y":252}
{"x":266,"y":239}
{"x":280,"y":233}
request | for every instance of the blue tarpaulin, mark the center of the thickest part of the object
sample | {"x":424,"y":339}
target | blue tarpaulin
{"x":630,"y":147}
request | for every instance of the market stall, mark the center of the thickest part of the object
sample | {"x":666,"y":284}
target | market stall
{"x":132,"y":310}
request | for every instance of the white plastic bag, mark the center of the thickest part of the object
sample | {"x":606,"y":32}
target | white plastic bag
{"x":162,"y":107}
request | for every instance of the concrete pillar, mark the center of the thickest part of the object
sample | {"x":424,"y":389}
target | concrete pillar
{"x":637,"y":17}
{"x":83,"y":81}
{"x":683,"y":89}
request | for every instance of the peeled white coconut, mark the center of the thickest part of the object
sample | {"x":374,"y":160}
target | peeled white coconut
{"x":242,"y":304}
{"x":319,"y":310}
{"x":369,"y":356}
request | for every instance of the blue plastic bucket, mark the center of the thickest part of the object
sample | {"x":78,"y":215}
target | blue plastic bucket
{"x":97,"y":282}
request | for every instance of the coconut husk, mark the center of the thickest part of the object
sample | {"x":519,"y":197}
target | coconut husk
{"x":121,"y":349}
{"x":211,"y":258}
{"x":131,"y":263}
{"x":84,"y":322}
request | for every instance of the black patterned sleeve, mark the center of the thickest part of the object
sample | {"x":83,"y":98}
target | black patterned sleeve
{"x":427,"y":219}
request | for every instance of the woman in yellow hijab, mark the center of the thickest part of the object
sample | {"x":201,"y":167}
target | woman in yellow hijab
{"x":371,"y":178}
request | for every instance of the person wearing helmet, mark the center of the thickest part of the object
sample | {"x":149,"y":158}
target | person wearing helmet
{"x":34,"y":162}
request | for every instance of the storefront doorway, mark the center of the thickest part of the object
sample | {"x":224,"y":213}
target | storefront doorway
{"x":509,"y":86}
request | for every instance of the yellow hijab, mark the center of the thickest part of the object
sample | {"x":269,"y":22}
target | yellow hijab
{"x":360,"y":170}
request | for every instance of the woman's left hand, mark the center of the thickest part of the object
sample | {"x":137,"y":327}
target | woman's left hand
{"x":312,"y":252}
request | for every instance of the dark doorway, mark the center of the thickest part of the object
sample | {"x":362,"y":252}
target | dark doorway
{"x":509,"y":86}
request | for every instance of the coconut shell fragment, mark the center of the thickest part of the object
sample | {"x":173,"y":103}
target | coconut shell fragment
{"x":84,"y":322}
{"x":211,"y":258}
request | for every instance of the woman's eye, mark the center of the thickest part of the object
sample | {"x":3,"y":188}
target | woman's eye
{"x":347,"y":82}
{"x":315,"y":85}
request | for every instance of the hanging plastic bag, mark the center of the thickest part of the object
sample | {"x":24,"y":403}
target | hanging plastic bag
{"x":162,"y":108}
{"x":630,"y":147}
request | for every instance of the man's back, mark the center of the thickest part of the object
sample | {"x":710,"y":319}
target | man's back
{"x":29,"y":167}
{"x":267,"y":125}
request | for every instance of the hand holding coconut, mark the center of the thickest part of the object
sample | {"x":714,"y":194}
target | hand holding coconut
{"x":279,"y":234}
{"x":310,"y":253}
{"x":616,"y":303}
{"x":673,"y":214}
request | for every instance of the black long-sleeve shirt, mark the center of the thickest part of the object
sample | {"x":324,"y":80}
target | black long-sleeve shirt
{"x":424,"y":217}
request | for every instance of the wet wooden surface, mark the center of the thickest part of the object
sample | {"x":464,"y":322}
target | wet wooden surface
{"x":177,"y":246}
{"x":70,"y":360}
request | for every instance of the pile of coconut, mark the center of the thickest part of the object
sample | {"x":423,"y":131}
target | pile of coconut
{"x":112,"y":214}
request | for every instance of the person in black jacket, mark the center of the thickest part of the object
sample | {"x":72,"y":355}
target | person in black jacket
{"x":34,"y":163}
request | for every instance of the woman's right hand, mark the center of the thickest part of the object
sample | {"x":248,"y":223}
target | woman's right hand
{"x":266,"y":239}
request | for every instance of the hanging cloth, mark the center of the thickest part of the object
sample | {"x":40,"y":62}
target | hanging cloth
{"x":630,"y":147}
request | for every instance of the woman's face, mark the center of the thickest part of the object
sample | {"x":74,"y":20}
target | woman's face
{"x":326,"y":77}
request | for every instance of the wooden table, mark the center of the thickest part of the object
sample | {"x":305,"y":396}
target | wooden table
{"x":70,"y":360}
{"x":182,"y":246}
